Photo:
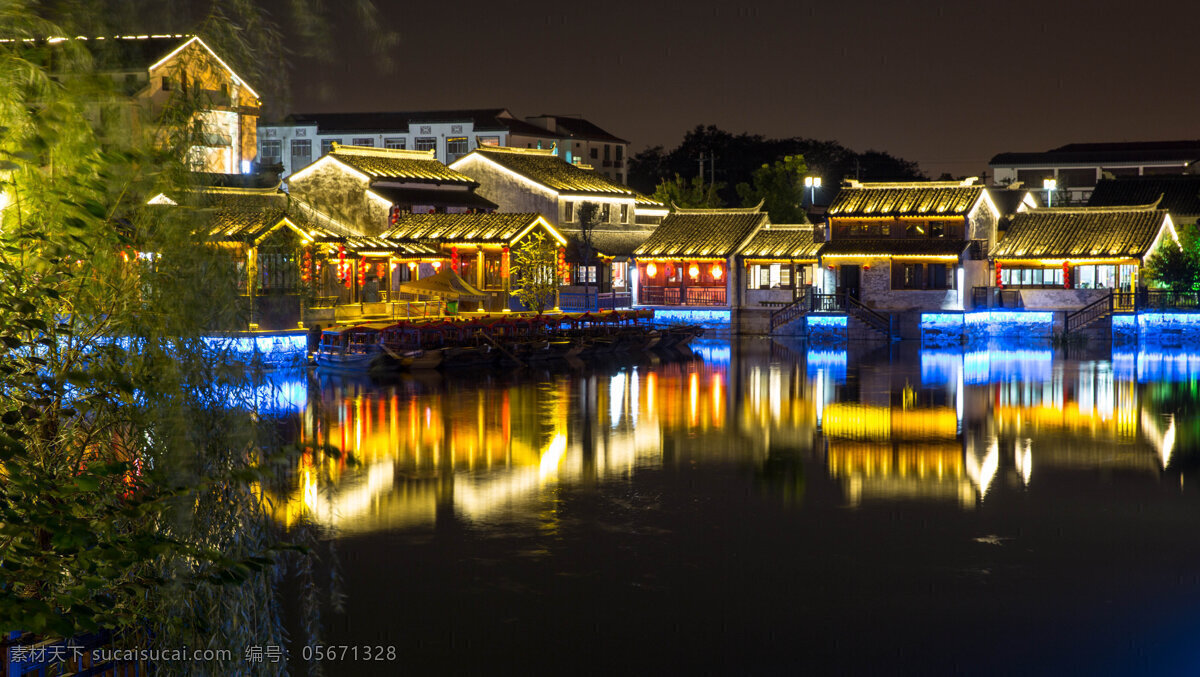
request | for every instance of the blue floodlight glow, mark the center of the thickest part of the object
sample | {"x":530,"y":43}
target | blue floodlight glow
{"x":1167,"y":318}
{"x":997,"y":365}
{"x":1124,"y":320}
{"x":832,"y":362}
{"x":941,"y":320}
{"x":1010,"y":317}
{"x":703,"y":317}
{"x":712,"y":351}
{"x":827,"y":320}
{"x":940,"y":367}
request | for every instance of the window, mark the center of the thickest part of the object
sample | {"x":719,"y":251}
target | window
{"x":937,"y":229}
{"x":620,"y":154}
{"x":301,"y":153}
{"x":426,"y":143}
{"x":271,"y":152}
{"x":488,"y":141}
{"x":620,"y":274}
{"x":568,"y":211}
{"x":456,"y":147}
{"x":327,"y":145}
{"x":604,"y":213}
{"x":278,"y":271}
{"x":595,"y":153}
{"x":492,"y":269}
{"x":363,"y":141}
{"x":467,"y":266}
{"x":1031,"y":277}
{"x":607,"y":154}
{"x":935,"y":276}
{"x":394,"y":143}
{"x":624,"y":214}
{"x":166,"y":84}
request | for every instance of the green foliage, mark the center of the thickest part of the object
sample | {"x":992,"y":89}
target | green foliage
{"x":737,"y":157}
{"x":534,"y":274}
{"x":780,"y":186}
{"x":130,"y":449}
{"x":689,"y":194}
{"x":1176,"y":266}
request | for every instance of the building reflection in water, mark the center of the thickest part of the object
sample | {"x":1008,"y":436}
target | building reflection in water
{"x":942,"y":425}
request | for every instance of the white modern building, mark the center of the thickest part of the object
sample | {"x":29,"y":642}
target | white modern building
{"x":302,"y":138}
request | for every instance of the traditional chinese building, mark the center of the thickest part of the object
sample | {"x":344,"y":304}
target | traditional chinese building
{"x":691,"y":259}
{"x":780,"y":263}
{"x":154,"y":69}
{"x":370,"y":188}
{"x":539,"y":180}
{"x":1066,"y":258}
{"x":908,"y":246}
{"x":1179,"y":195}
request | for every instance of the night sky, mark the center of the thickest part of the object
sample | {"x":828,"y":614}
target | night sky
{"x":948,"y":84}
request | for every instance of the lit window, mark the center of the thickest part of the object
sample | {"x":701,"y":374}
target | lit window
{"x":426,"y":143}
{"x":568,"y":211}
{"x":394,"y":143}
{"x":456,"y":147}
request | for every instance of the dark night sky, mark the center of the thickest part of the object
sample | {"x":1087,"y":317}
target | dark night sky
{"x":947,"y":84}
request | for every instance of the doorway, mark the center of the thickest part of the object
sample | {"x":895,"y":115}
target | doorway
{"x":849,"y":280}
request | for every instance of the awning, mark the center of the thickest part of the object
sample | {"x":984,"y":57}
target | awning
{"x":446,"y":283}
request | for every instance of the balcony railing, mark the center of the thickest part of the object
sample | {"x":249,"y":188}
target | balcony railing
{"x":683,"y":296}
{"x":594,"y":300}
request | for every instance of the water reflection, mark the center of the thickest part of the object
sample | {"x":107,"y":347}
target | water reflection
{"x":896,"y":424}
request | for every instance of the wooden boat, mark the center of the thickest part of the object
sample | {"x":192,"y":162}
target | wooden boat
{"x":350,"y":349}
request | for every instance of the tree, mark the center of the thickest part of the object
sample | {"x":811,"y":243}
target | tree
{"x":689,"y":194}
{"x":732,"y":159}
{"x":1176,"y":266}
{"x":533,"y":266}
{"x":780,"y":186}
{"x":130,"y":444}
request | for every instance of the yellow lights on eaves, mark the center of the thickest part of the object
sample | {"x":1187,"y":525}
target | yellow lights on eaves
{"x":327,"y":159}
{"x":237,"y":80}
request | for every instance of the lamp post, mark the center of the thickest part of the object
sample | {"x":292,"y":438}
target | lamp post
{"x":812,"y":183}
{"x":1050,"y":185}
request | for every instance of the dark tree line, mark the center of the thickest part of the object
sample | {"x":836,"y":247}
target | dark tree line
{"x":731,"y":159}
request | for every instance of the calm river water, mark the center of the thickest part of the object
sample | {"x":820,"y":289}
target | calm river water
{"x":764,"y":507}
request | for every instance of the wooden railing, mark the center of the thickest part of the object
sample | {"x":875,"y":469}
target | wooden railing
{"x":797,"y":308}
{"x":1093,"y":312}
{"x":869,"y":317}
{"x":1165,"y":299}
{"x":594,"y":300}
{"x":829,"y":303}
{"x":691,"y":296}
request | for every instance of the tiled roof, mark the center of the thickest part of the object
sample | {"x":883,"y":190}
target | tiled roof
{"x":363,"y":243}
{"x":1008,"y":200}
{"x":614,"y":242}
{"x":785,"y":242}
{"x":1105,"y":153}
{"x":702,"y":232}
{"x":434,"y":197}
{"x":542,"y":166}
{"x":570,"y":126}
{"x":405,"y":165}
{"x":482,"y":120}
{"x":1081,"y":232}
{"x":461,"y":227}
{"x":1180,"y":194}
{"x":916,"y":198}
{"x":894,"y":247}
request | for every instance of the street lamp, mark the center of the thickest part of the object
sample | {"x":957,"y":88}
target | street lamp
{"x":1050,"y":185}
{"x":812,"y":183}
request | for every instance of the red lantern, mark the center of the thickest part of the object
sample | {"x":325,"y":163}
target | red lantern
{"x":454,"y":258}
{"x":362,"y":271}
{"x":306,"y":263}
{"x":504,"y":263}
{"x":999,"y":284}
{"x":1066,"y":274}
{"x":343,"y":271}
{"x":381,"y":270}
{"x":394,"y":215}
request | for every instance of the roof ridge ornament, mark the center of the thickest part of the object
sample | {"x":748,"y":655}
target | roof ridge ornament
{"x":371,"y":151}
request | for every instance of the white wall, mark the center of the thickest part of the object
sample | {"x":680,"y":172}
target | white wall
{"x":436,"y":130}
